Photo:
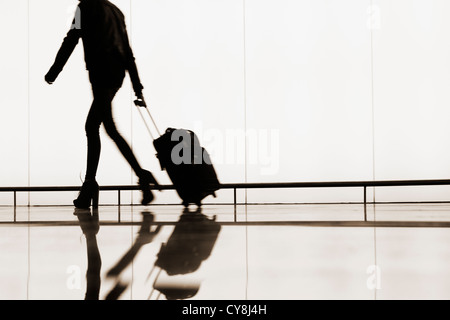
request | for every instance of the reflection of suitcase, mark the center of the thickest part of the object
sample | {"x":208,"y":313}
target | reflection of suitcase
{"x":174,"y":289}
{"x":191,"y":243}
{"x":187,"y":163}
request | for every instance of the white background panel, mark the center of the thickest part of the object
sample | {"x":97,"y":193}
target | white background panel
{"x":308,"y":92}
{"x":412,"y":76}
{"x":14,"y":94}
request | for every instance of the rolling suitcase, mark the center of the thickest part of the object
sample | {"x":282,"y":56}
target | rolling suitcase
{"x":187,"y":163}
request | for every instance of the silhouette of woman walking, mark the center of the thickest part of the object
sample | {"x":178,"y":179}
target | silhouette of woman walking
{"x":108,"y":55}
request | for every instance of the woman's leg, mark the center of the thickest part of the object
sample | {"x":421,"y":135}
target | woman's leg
{"x":107,"y":95}
{"x":90,"y":190}
{"x":93,"y":121}
{"x":101,"y":112}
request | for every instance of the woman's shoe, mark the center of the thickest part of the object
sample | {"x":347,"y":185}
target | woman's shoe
{"x":145,"y":179}
{"x":88,"y":194}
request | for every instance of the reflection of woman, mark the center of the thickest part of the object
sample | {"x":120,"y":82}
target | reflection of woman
{"x":108,"y":54}
{"x":90,"y":225}
{"x":145,"y":236}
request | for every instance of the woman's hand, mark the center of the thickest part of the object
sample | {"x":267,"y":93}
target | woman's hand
{"x":50,"y":77}
{"x":140,"y":101}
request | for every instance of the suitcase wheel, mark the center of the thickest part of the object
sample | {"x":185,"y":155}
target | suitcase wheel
{"x":186,"y":203}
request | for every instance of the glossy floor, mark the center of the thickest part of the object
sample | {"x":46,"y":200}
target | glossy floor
{"x":224,"y":252}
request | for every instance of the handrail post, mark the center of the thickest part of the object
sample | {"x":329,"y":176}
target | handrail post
{"x":235,"y":203}
{"x":118,"y":205}
{"x":15,"y":205}
{"x":365,"y":203}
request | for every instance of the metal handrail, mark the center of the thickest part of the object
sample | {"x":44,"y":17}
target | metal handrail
{"x":257,"y":185}
{"x":312,"y":223}
{"x":235,"y":186}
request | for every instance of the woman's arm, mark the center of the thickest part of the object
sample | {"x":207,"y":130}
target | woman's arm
{"x":67,"y":47}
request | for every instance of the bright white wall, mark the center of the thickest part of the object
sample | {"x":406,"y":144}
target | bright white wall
{"x":412,"y":77}
{"x":297,"y":76}
{"x":308,"y":80}
{"x":13,"y":97}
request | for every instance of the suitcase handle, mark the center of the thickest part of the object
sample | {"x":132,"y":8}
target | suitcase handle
{"x":141,"y":104}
